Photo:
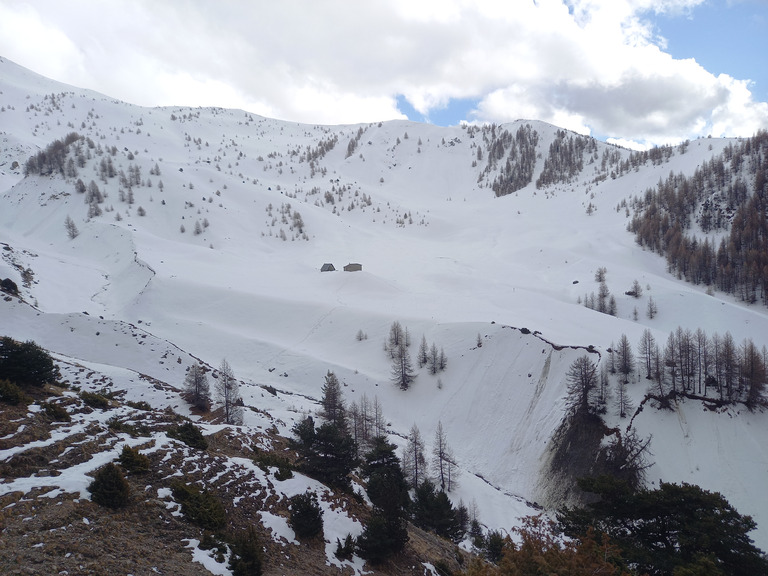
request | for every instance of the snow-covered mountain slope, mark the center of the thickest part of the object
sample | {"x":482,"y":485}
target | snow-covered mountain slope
{"x":240,"y":212}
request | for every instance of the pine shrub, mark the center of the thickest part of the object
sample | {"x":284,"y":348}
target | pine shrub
{"x":110,"y":488}
{"x":141,"y":405}
{"x":267,"y":460}
{"x":189,"y":434}
{"x":55,"y":412}
{"x":26,"y":364}
{"x":306,"y":515}
{"x":95,"y":400}
{"x":246,"y":559}
{"x":133,"y":461}
{"x":12,"y":394}
{"x":201,"y":508}
{"x":117,"y":425}
{"x":345,"y":550}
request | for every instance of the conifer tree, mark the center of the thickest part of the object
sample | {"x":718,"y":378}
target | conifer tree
{"x":602,"y":298}
{"x":333,"y":401}
{"x":196,"y":384}
{"x":651,"y":310}
{"x":396,"y":338}
{"x":603,"y":392}
{"x":625,"y":358}
{"x":434,"y":359}
{"x":402,"y":370}
{"x":623,"y":401}
{"x":414,"y":462}
{"x":26,"y":363}
{"x":386,"y":532}
{"x":228,"y":392}
{"x":423,"y":356}
{"x":670,"y":360}
{"x":443,"y":462}
{"x":582,"y":383}
{"x":432,"y":510}
{"x":69,"y":225}
{"x":328,"y":454}
{"x":674,"y":529}
{"x":645,"y":349}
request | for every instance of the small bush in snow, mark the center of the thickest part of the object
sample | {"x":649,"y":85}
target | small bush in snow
{"x":189,"y":434}
{"x":12,"y":394}
{"x":201,"y":508}
{"x":133,"y":461}
{"x":306,"y":515}
{"x":110,"y":488}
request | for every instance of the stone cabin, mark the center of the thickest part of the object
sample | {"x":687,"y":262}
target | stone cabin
{"x":353,"y":268}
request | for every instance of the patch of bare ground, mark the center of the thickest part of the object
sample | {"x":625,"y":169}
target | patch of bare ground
{"x":18,"y":427}
{"x":65,"y":535}
{"x":47,"y":531}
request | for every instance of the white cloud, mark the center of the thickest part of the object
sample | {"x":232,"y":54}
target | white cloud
{"x":588,"y":65}
{"x":22,"y":28}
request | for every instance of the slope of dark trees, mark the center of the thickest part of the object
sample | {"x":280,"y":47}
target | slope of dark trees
{"x":565,"y":159}
{"x":517,"y":171}
{"x":52,"y":159}
{"x":728,"y":193}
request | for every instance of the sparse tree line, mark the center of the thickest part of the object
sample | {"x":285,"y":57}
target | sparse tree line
{"x":289,"y":217}
{"x":565,"y":159}
{"x":397,"y":345}
{"x":54,"y":158}
{"x":517,"y":172}
{"x":322,"y":148}
{"x":354,"y":142}
{"x":226,"y":387}
{"x":718,"y":196}
{"x":67,"y":156}
{"x":690,"y":364}
{"x":401,"y":490}
{"x":695,"y":364}
{"x":605,"y":302}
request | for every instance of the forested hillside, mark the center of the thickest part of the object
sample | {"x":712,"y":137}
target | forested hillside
{"x":712,"y":225}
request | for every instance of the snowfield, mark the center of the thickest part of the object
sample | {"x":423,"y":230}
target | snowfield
{"x":138,"y":299}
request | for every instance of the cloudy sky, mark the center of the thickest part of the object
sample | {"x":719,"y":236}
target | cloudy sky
{"x":647,"y":71}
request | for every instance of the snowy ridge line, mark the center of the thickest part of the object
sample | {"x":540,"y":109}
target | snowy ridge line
{"x":708,"y":402}
{"x":517,"y":497}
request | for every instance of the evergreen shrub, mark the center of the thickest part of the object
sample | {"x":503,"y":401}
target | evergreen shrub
{"x":110,"y":488}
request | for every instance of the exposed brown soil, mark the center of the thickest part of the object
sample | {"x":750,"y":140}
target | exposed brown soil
{"x":69,"y":534}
